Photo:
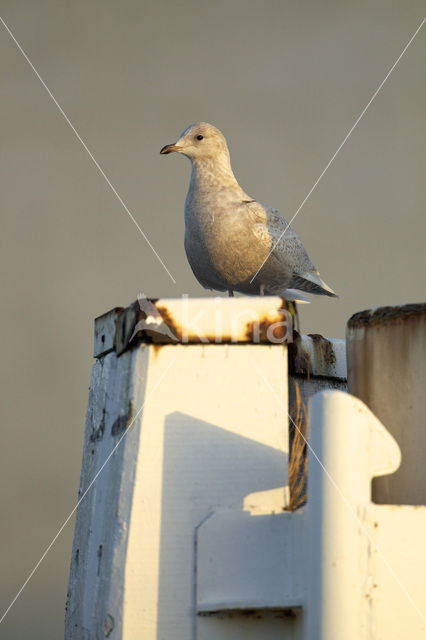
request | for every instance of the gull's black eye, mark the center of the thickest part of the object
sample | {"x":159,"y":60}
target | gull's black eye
{"x":200,"y":137}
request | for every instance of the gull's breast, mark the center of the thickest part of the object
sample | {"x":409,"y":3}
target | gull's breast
{"x":221,"y":244}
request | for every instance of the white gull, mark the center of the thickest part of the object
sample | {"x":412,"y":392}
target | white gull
{"x":229,"y":235}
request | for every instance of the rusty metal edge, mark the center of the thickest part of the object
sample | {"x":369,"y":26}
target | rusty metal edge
{"x":317,"y":356}
{"x":127,"y":318}
{"x":311,"y":355}
{"x":387,"y":315}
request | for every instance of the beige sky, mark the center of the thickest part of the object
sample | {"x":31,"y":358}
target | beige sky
{"x":285,"y":82}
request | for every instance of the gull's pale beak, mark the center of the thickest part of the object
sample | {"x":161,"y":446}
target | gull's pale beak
{"x":169,"y":148}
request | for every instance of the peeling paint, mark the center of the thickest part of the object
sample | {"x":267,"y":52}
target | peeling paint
{"x":97,"y":434}
{"x":109,"y":625}
{"x":122,"y":422}
{"x":318,"y":356}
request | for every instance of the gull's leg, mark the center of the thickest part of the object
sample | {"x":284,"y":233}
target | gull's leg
{"x":296,"y":318}
{"x":262,"y":290}
{"x":230,"y":293}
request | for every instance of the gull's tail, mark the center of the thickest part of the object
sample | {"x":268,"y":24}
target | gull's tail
{"x":311,"y":282}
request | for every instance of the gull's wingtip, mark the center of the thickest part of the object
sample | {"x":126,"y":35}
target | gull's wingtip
{"x":329,"y":290}
{"x":315,"y":278}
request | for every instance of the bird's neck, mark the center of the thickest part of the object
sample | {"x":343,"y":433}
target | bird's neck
{"x":211,"y":174}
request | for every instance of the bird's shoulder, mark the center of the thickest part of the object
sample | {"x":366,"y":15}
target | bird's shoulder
{"x":271,"y":218}
{"x":273,"y":227}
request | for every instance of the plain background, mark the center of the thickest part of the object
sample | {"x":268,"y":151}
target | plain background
{"x":284,"y":81}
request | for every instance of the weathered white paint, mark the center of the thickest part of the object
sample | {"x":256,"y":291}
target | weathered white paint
{"x":395,"y":570}
{"x":183,"y":534}
{"x":356,"y":568}
{"x":105,"y":326}
{"x":318,"y":356}
{"x":207,"y":437}
{"x":100,"y":539}
{"x":249,"y":561}
{"x":349,"y":447}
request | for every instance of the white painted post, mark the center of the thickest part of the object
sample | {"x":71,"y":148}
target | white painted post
{"x":198,"y":433}
{"x":348,"y":447}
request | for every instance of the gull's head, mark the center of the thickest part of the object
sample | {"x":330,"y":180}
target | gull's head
{"x":198,"y":142}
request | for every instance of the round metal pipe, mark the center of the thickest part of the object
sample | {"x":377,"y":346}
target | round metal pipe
{"x":386,"y":358}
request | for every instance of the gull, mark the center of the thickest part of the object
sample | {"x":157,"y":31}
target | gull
{"x":235,"y":243}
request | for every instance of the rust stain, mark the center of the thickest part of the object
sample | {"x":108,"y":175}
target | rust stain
{"x":171,"y":323}
{"x":156,"y":347}
{"x":127,"y":321}
{"x":323,"y":348}
{"x":261,"y":330}
{"x":124,"y":326}
{"x":388,"y":315}
{"x":299,"y":360}
{"x":268,"y":329}
{"x":255,"y":331}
